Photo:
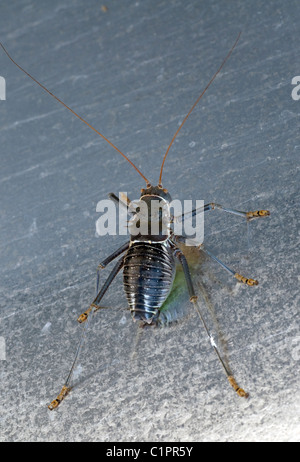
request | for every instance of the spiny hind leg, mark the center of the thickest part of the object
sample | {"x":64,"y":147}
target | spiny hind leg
{"x":194,"y":301}
{"x":84,"y":317}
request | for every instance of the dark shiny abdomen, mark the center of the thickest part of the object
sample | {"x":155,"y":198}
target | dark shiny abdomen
{"x":148,"y":275}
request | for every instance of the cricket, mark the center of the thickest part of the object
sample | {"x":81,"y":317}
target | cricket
{"x":148,"y":260}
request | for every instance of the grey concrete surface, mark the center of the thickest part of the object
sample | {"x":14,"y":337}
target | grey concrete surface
{"x":133,"y":72}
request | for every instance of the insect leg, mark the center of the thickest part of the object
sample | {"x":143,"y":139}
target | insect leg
{"x":94,"y":306}
{"x":109,"y":259}
{"x":239,"y":277}
{"x":213,"y":206}
{"x":194,"y":300}
{"x":124,"y":201}
{"x":247,"y":215}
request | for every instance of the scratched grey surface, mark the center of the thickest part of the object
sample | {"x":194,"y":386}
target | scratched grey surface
{"x":133,"y":72}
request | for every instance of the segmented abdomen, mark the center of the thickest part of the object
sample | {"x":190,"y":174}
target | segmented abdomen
{"x":148,"y":275}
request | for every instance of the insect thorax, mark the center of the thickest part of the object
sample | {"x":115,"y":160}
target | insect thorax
{"x":152,"y":219}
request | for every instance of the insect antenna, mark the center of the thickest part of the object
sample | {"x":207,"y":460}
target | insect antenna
{"x":193,"y":107}
{"x":75,"y":114}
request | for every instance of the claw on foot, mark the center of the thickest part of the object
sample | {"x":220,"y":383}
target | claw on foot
{"x":83,"y":317}
{"x":257,"y":213}
{"x":56,"y":402}
{"x":242,"y":393}
{"x":249,"y":282}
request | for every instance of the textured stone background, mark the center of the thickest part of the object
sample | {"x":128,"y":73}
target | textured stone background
{"x":133,"y":72}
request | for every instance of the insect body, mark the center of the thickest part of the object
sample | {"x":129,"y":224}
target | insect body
{"x":149,"y":265}
{"x":149,"y":271}
{"x":149,"y":259}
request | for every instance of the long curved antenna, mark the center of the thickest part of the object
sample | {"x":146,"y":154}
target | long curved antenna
{"x":193,"y":107}
{"x":75,"y":114}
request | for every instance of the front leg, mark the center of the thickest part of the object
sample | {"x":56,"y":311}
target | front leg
{"x":212,"y":206}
